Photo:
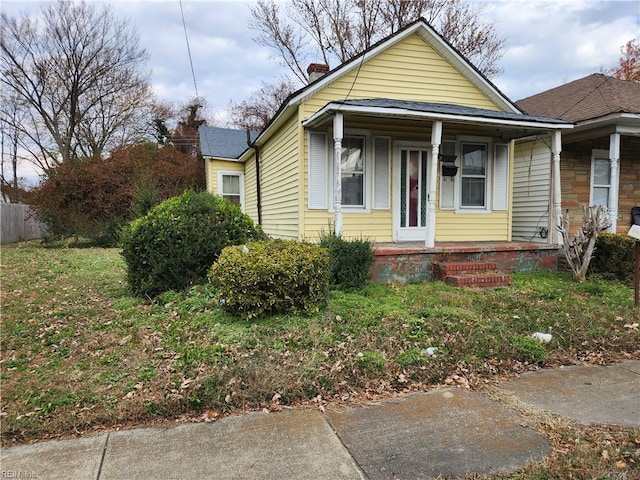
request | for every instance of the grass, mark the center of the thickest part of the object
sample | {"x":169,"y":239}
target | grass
{"x":79,"y":353}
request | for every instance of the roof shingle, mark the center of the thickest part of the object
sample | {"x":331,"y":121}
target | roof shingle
{"x":224,"y":142}
{"x":587,"y":98}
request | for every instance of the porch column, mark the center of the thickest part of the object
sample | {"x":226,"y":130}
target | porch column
{"x":556,"y":148}
{"x":338,"y":129}
{"x":614,"y":179}
{"x":436,"y":139}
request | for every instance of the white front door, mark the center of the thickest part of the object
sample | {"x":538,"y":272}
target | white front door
{"x":410,"y":210}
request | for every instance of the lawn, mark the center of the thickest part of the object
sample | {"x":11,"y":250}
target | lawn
{"x":79,"y":353}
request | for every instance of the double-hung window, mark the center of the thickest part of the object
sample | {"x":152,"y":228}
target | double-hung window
{"x":353,"y":171}
{"x":474,"y":175}
{"x":231,"y":187}
{"x":600,"y":178}
{"x":364,"y":174}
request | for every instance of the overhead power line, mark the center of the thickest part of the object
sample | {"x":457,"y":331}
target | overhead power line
{"x":186,"y":36}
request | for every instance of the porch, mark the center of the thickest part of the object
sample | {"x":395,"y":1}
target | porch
{"x":413,"y":262}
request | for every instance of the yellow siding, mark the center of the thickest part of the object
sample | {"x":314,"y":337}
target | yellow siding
{"x":409,"y":70}
{"x":375,"y":226}
{"x":280,"y":176}
{"x":451,"y":226}
{"x":214,"y":166}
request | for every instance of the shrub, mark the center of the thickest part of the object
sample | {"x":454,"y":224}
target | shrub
{"x":269,"y":277}
{"x":613,"y":257}
{"x":349,"y":260}
{"x":174,"y":245}
{"x":94,"y":198}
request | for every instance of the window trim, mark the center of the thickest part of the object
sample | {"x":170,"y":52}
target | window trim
{"x":598,"y":154}
{"x":363,"y":173}
{"x":240,"y":175}
{"x":368,"y":171}
{"x":488,"y":175}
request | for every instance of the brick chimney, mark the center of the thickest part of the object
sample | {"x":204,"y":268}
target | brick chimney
{"x":316,"y":70}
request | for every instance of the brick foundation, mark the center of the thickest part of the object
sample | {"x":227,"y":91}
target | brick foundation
{"x":405,"y":263}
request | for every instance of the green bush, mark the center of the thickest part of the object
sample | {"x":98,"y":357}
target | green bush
{"x":613,"y":257}
{"x":174,"y":245}
{"x":269,"y":277}
{"x":349,"y":261}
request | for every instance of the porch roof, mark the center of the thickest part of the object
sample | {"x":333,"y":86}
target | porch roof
{"x":518,"y":124}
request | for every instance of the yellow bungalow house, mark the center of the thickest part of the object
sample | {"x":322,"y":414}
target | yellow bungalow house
{"x":407,"y":144}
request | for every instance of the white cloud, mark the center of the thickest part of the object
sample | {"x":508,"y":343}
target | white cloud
{"x":547,"y":42}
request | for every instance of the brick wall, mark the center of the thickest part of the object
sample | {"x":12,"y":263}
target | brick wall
{"x":575,"y":175}
{"x":419,"y":266}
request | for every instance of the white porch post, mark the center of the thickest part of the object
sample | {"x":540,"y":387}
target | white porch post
{"x":338,"y":129}
{"x":556,"y":148}
{"x":614,"y":179}
{"x":436,"y":139}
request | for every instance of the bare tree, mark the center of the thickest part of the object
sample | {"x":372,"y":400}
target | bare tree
{"x":79,"y":73}
{"x":255,"y":112}
{"x":337,"y":30}
{"x":579,"y":251}
{"x":10,"y":116}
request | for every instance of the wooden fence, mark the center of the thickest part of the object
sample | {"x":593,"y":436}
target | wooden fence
{"x":17,"y":223}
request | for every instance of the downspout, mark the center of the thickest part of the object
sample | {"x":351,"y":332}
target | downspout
{"x":256,"y":149}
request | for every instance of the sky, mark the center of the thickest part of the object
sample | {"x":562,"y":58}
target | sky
{"x":547,"y":43}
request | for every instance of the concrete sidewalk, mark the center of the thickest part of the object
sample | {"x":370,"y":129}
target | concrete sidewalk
{"x":446,"y":432}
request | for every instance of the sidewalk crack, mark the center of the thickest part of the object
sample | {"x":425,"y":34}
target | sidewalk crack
{"x":104,"y":454}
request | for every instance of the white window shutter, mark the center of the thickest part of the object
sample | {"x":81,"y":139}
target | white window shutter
{"x":501,"y":177}
{"x":447,"y":184}
{"x":381,"y":182}
{"x":318,"y":170}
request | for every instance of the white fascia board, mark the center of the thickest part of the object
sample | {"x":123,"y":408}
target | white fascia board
{"x":622,"y":121}
{"x":321,"y":115}
{"x":224,"y":159}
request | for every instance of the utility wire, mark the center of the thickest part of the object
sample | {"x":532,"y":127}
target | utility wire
{"x":193,"y":73}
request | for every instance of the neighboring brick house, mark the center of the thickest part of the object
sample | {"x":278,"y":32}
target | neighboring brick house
{"x":600,"y":158}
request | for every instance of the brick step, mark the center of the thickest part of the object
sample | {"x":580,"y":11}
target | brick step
{"x":479,"y":280}
{"x":445,"y":269}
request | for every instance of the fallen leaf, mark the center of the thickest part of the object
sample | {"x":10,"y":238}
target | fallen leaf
{"x":620,"y":464}
{"x":185,"y":383}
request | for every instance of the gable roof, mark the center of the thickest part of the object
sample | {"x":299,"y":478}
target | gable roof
{"x":227,"y":143}
{"x":591,"y":97}
{"x":429,"y":35}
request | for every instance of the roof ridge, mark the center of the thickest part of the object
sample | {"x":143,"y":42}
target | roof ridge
{"x":595,"y":89}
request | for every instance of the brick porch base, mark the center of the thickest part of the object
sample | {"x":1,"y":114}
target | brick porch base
{"x":413,"y":262}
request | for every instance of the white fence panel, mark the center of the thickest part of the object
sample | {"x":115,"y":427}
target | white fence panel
{"x":17,"y":223}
